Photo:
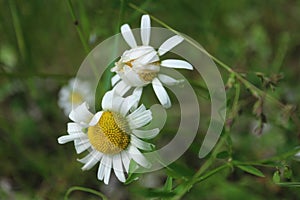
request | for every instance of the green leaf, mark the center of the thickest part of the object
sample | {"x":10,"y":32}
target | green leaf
{"x":287,"y":172}
{"x":179,"y":171}
{"x":251,"y":170}
{"x":169,"y":184}
{"x":276,"y":177}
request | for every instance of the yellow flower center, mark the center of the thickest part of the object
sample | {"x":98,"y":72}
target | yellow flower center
{"x":76,"y":98}
{"x":110,"y":134}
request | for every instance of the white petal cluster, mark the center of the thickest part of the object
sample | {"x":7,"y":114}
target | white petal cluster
{"x":141,"y":65}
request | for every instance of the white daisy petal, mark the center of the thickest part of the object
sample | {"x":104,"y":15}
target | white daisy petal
{"x":136,"y":53}
{"x":125,"y":160}
{"x":101,"y":169}
{"x":148,"y":58}
{"x":82,"y":145}
{"x":169,"y":44}
{"x":136,"y":113}
{"x":128,"y":103}
{"x":117,"y":103}
{"x":115,"y":79}
{"x":141,"y":120}
{"x":74,"y":128}
{"x":118,"y":169}
{"x":86,"y":158}
{"x":161,"y":93}
{"x":68,"y":138}
{"x":107,"y":100}
{"x":107,"y":170}
{"x":146,"y":134}
{"x":131,"y":77}
{"x":92,"y":161}
{"x":96,"y":118}
{"x":138,"y":93}
{"x":141,"y":144}
{"x":169,"y":80}
{"x":128,"y":35}
{"x":145,"y":29}
{"x":81,"y":114}
{"x":177,"y":64}
{"x":121,"y":88}
{"x":138,"y":157}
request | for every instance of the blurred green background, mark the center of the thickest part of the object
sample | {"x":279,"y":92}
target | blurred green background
{"x":40,"y":50}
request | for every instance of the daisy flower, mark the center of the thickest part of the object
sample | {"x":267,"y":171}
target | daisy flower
{"x":70,"y":97}
{"x":140,"y":65}
{"x":112,"y":136}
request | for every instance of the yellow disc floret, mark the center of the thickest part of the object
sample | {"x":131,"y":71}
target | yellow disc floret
{"x":111,"y":134}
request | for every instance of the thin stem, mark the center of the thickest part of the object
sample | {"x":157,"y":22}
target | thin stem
{"x":79,"y":31}
{"x":82,"y":38}
{"x":88,"y":190}
{"x":18,"y":29}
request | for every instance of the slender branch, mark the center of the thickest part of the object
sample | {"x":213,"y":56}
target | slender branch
{"x":18,"y":28}
{"x":88,"y":190}
{"x":79,"y":31}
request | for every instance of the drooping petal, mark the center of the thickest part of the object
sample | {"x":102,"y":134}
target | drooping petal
{"x":161,"y":93}
{"x":118,"y":169}
{"x":101,"y":169}
{"x":141,"y":144}
{"x":128,"y":35}
{"x":96,"y":156}
{"x":177,"y":64}
{"x":168,"y":80}
{"x":115,"y":79}
{"x":107,"y":169}
{"x":125,"y":160}
{"x":121,"y":88}
{"x":146,"y":134}
{"x":169,"y":44}
{"x":81,"y":145}
{"x":145,"y":29}
{"x":138,"y":157}
{"x":81,"y":114}
{"x":86,"y":158}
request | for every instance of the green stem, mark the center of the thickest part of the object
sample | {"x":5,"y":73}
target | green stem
{"x":79,"y":31}
{"x":18,"y":29}
{"x":198,"y":179}
{"x":88,"y":190}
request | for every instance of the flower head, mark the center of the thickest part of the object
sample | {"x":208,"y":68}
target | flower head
{"x":70,"y":96}
{"x":111,"y":136}
{"x":140,"y":65}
